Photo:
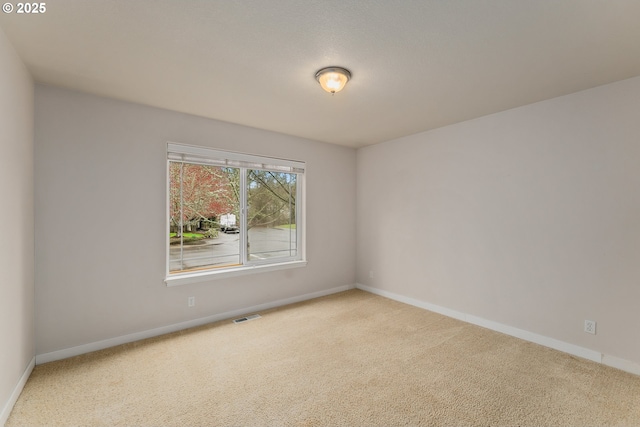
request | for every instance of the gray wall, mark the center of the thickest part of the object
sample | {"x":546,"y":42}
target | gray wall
{"x":529,"y":217}
{"x":100,"y":219}
{"x":16,"y":217}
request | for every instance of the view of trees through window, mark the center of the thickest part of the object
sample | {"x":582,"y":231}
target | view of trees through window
{"x":206,"y":226}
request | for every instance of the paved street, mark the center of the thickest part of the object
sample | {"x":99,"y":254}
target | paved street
{"x":223,"y":251}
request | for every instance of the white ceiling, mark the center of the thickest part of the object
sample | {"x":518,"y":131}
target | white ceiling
{"x":416,"y":65}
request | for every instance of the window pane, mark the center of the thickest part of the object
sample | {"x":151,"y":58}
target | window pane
{"x":271,"y":215}
{"x":204,"y":214}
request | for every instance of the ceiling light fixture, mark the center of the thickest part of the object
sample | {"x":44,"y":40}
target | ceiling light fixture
{"x":333,"y":79}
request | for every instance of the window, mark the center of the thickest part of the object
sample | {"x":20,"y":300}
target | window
{"x":231,"y":213}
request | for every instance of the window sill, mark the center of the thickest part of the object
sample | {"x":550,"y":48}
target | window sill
{"x":205,"y":276}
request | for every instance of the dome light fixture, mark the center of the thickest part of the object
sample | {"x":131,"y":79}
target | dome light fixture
{"x":333,"y":79}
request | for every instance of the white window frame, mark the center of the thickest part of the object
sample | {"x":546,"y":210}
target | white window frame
{"x":208,"y":156}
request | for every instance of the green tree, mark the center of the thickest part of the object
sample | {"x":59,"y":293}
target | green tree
{"x":271,"y":198}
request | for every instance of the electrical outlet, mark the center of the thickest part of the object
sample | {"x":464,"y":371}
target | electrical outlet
{"x":590,"y":326}
{"x":191,"y":301}
{"x":370,"y":274}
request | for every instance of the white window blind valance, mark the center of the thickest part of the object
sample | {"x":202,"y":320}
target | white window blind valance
{"x":209,"y":156}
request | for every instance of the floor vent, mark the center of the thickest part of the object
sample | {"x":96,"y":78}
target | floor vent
{"x":247,"y":318}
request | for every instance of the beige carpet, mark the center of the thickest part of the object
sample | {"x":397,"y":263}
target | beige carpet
{"x":350,"y":359}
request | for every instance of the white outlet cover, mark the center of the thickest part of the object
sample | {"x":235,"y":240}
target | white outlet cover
{"x":590,"y":326}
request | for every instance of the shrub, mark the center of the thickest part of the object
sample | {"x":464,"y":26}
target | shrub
{"x":211,"y":233}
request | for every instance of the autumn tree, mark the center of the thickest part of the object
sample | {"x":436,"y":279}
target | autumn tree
{"x":198,"y":193}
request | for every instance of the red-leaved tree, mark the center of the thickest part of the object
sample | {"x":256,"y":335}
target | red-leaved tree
{"x":205,"y":193}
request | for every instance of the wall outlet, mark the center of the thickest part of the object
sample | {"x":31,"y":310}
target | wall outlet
{"x":191,"y":301}
{"x":590,"y":326}
{"x":370,"y":274}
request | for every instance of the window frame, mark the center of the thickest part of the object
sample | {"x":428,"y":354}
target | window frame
{"x":213,"y":157}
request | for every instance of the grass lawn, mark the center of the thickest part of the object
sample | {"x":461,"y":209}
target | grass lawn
{"x":287,"y":226}
{"x":186,"y":238}
{"x":188,"y":235}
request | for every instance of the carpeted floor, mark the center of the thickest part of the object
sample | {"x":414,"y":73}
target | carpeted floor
{"x":349,"y":359}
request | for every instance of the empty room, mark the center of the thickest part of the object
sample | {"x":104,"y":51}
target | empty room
{"x":320,"y":213}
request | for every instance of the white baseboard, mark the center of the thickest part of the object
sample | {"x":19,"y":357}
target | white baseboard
{"x":565,"y":347}
{"x":111,"y":342}
{"x":623,"y":365}
{"x":6,"y":410}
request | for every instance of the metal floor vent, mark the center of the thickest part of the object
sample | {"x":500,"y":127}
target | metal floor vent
{"x":247,"y":318}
